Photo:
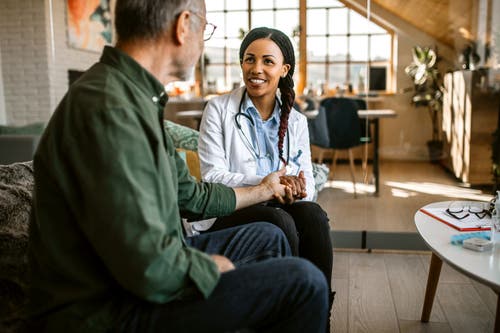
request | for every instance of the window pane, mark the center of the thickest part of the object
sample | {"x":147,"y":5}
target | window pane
{"x":262,"y":4}
{"x":263,"y":18}
{"x":337,"y":48}
{"x":235,"y":22}
{"x":358,"y":24}
{"x":316,"y":49}
{"x":287,"y":3}
{"x":214,"y":5}
{"x":337,"y":76}
{"x":232,"y":5}
{"x":218,"y":19}
{"x":235,"y":76}
{"x":324,"y":3}
{"x":357,"y":73}
{"x":316,"y":21}
{"x":374,"y":28}
{"x":215,"y":77}
{"x":316,"y":76}
{"x":358,"y":48}
{"x":287,"y":21}
{"x":233,"y":49}
{"x":380,"y":47}
{"x":338,"y":21}
{"x":214,"y":55}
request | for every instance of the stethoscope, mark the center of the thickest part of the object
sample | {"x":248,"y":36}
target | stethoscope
{"x":251,"y":148}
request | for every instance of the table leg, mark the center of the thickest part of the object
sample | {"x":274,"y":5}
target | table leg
{"x":497,"y":318}
{"x":375,"y":155}
{"x":430,"y":291}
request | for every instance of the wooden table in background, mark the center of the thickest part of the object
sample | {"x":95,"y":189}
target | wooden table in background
{"x":373,"y":117}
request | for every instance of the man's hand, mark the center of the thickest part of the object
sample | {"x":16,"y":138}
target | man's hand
{"x":297,"y":184}
{"x":278,"y":190}
{"x":268,"y":189}
{"x":223,"y":263}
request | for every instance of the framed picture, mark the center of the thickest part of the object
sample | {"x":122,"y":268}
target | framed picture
{"x":89,"y":24}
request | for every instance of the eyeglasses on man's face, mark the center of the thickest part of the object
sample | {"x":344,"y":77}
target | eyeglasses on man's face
{"x":209,"y":27}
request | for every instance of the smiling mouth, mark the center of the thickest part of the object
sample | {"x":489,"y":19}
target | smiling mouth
{"x":257,"y":81}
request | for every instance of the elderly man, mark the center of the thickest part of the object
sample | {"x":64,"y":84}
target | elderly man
{"x":107,"y":250}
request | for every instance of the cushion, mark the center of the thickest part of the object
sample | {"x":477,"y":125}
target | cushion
{"x":320,"y":174}
{"x":183,"y":136}
{"x":192,"y":160}
{"x":16,"y":185}
{"x":31,"y":129}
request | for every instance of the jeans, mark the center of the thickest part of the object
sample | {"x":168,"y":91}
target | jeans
{"x":304,"y":223}
{"x":265,"y":293}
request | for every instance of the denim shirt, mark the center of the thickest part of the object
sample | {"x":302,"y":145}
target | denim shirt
{"x":264,"y":137}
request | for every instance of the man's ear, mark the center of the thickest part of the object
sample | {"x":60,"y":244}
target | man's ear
{"x":181,"y":27}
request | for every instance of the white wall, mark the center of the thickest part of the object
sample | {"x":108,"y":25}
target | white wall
{"x":34,"y":76}
{"x":24,"y":60}
{"x":3,"y":119}
{"x":65,"y":57}
{"x":495,"y":35}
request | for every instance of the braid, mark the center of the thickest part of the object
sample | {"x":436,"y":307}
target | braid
{"x":287,"y":100}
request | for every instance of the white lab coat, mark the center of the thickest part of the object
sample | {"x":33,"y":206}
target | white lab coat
{"x":224,"y":154}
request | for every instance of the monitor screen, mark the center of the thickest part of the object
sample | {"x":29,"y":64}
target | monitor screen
{"x":378,"y":77}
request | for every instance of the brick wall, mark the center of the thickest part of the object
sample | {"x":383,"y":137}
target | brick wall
{"x":3,"y":119}
{"x":35,"y":58}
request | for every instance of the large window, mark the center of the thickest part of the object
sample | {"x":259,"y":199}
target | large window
{"x":341,"y":44}
{"x":345,"y":49}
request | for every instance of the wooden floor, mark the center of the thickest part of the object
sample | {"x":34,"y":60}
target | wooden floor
{"x":384,"y":291}
{"x":404,"y":188}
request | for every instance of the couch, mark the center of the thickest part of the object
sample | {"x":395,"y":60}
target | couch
{"x":18,"y":143}
{"x":16,"y":185}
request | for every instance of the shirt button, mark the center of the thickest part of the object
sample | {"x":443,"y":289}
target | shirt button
{"x":155,"y":99}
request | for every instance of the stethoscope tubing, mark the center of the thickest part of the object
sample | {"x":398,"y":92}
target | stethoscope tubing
{"x":249,"y":145}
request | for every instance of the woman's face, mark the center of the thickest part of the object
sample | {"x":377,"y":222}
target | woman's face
{"x":263,"y":67}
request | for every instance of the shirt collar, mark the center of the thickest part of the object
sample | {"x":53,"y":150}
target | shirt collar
{"x":137,"y":74}
{"x":250,"y":109}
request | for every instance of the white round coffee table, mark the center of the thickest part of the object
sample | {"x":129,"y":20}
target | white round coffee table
{"x":481,"y":266}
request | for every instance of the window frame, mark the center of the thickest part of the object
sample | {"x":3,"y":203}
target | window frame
{"x":300,"y":38}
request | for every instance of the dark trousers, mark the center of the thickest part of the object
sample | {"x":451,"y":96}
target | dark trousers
{"x":265,"y":293}
{"x":304,"y":223}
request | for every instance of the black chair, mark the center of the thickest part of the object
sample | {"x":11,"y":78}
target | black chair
{"x":338,"y":127}
{"x":366,"y":137}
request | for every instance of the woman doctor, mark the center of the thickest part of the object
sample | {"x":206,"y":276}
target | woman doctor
{"x":253,"y":131}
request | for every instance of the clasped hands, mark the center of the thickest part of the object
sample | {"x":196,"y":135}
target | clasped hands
{"x":286,"y":188}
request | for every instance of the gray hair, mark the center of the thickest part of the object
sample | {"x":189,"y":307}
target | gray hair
{"x":148,"y":19}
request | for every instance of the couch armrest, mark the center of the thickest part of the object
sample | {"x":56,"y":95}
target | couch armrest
{"x":192,"y":160}
{"x":17,"y":148}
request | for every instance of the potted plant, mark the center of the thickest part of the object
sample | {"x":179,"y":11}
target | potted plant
{"x":427,"y":92}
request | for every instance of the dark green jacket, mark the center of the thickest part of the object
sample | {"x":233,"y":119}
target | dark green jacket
{"x":109,"y":192}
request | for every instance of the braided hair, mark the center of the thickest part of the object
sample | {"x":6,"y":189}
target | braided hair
{"x":285,"y":83}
